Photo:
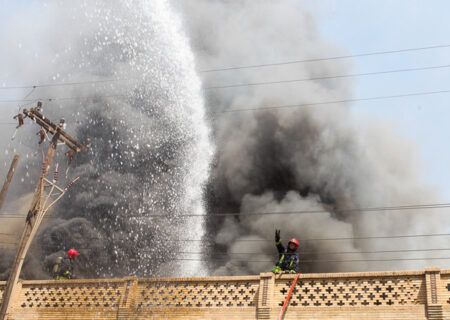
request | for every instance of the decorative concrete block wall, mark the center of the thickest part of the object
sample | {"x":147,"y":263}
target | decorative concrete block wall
{"x":443,"y":292}
{"x":376,"y":295}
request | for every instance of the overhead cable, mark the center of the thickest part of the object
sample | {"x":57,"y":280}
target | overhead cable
{"x":300,"y":252}
{"x":332,"y":239}
{"x":62,"y":84}
{"x":324,"y":58}
{"x":335,"y":210}
{"x":64,"y":98}
{"x":319,"y":252}
{"x":243,"y":214}
{"x":316,"y":239}
{"x":243,"y":67}
{"x":59,"y":84}
{"x":316,"y":261}
{"x":323,"y":77}
{"x":262,"y":108}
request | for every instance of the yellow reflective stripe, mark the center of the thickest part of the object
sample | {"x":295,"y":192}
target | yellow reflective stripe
{"x":290,"y":265}
{"x":277,"y":243}
{"x":282,"y":259}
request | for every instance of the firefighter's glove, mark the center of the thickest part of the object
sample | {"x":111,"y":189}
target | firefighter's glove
{"x":293,"y":271}
{"x":277,"y":236}
{"x":276,"y":269}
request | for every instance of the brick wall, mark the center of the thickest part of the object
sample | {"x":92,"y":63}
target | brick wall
{"x":376,"y":295}
{"x":444,"y":293}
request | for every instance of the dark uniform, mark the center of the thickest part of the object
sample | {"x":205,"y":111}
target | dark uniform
{"x":63,"y":269}
{"x":287,"y":260}
{"x":287,"y":257}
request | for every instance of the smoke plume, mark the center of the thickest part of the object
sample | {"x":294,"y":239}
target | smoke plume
{"x":150,"y":146}
{"x":317,"y":158}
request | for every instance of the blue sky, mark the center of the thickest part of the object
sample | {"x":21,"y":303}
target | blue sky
{"x":378,"y":25}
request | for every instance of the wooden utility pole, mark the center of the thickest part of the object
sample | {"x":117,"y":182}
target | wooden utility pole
{"x":41,"y":202}
{"x":12,"y":168}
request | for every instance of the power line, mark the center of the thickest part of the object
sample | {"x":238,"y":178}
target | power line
{"x":380,"y":237}
{"x":62,"y":84}
{"x":223,"y":253}
{"x":64,"y":98}
{"x":233,"y":85}
{"x":325,"y":58}
{"x":243,"y":214}
{"x":251,"y":66}
{"x":412,"y":94}
{"x":322,"y":253}
{"x":315,"y":261}
{"x":331,"y":239}
{"x":325,"y":77}
{"x":29,"y":93}
{"x":368,"y":209}
{"x":315,"y":239}
{"x":300,"y":253}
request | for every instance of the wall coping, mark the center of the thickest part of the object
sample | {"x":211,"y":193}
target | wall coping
{"x":200,"y":279}
{"x":352,"y":274}
{"x":74,"y":281}
{"x":237,"y":278}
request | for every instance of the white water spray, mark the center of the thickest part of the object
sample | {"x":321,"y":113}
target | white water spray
{"x":150,"y":143}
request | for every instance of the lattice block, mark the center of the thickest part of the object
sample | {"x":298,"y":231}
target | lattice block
{"x":445,"y":278}
{"x":220,"y":294}
{"x":341,"y":292}
{"x":90,"y":294}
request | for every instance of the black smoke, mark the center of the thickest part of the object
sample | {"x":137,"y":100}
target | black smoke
{"x":317,"y":158}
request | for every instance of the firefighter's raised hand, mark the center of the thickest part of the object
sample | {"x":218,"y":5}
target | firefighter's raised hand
{"x":277,"y":236}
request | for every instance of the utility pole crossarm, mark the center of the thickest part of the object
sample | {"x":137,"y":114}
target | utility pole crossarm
{"x":49,"y":126}
{"x":41,"y":202}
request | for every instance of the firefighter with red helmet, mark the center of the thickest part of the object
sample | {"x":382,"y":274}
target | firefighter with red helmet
{"x":287,"y":257}
{"x":63,"y":269}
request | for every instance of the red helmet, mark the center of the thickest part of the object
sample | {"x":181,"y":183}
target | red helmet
{"x":294,"y":241}
{"x":72,"y":253}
